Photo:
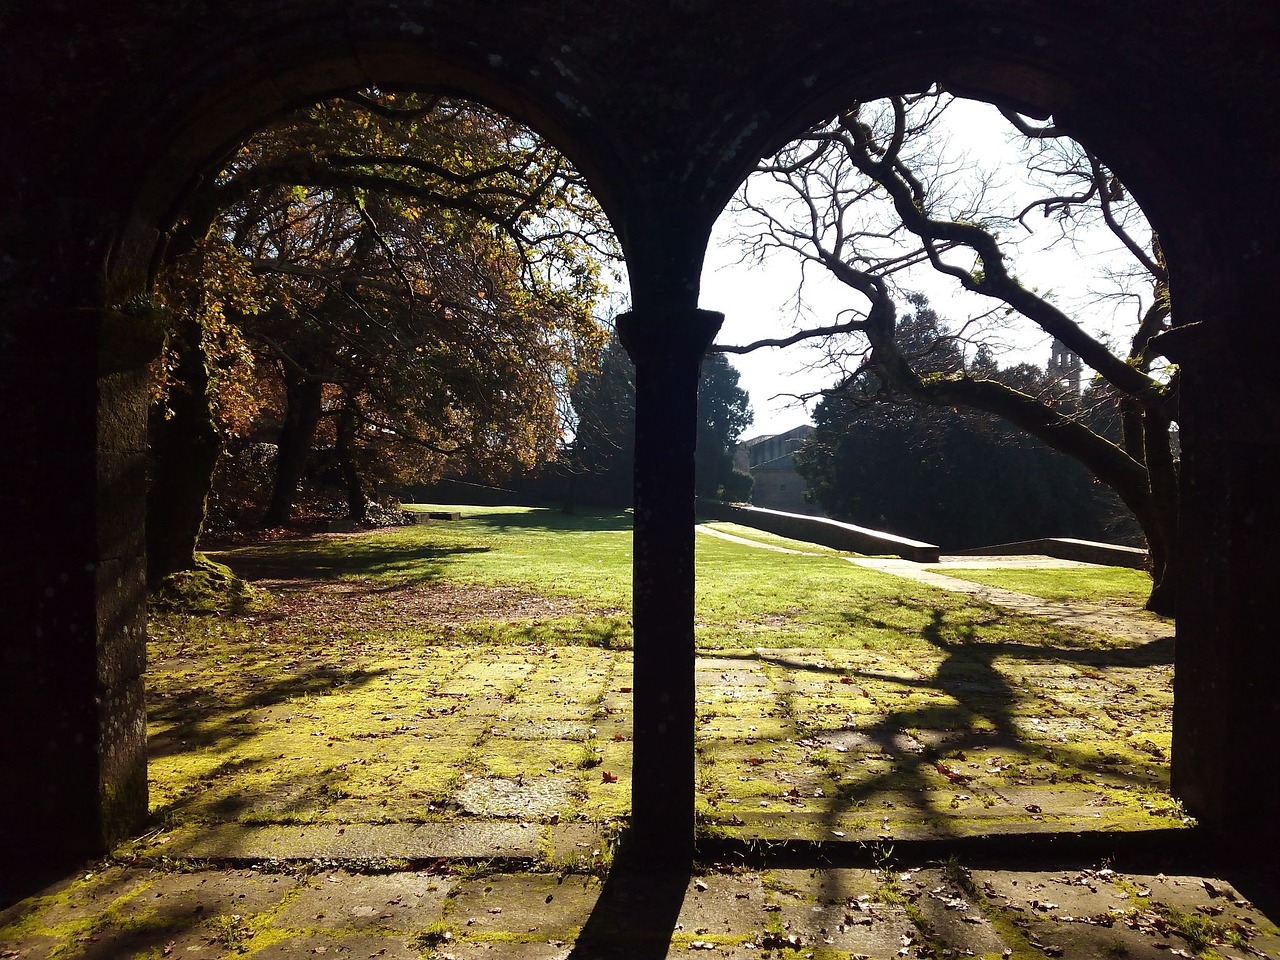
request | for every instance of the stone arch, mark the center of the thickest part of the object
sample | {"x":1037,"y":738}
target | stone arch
{"x":221,"y":111}
{"x":664,"y":110}
{"x":1038,"y":58}
{"x":88,"y":703}
{"x":1113,"y":94}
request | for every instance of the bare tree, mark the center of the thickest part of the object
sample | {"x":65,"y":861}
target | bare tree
{"x":873,"y":194}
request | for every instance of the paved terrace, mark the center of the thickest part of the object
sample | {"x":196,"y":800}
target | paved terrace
{"x":463,"y":802}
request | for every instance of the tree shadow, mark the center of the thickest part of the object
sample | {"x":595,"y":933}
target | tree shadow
{"x":193,"y":724}
{"x":198,"y":722}
{"x":983,"y":714}
{"x":315,"y":560}
{"x":549,"y":519}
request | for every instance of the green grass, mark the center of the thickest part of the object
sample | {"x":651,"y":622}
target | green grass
{"x":1119,"y":585}
{"x":582,"y":555}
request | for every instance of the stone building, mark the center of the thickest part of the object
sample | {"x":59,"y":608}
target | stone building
{"x":114,"y":112}
{"x":1065,"y":366}
{"x":772,"y":464}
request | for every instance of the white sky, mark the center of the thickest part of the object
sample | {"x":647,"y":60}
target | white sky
{"x":758,"y":299}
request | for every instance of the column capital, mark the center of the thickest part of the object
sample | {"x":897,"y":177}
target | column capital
{"x":668,"y":335}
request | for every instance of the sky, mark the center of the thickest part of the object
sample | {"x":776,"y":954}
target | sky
{"x":758,"y":300}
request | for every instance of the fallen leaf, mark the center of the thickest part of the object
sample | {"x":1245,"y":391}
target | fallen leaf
{"x":607,"y":777}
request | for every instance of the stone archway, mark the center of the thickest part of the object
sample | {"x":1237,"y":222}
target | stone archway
{"x":664,"y":112}
{"x":1224,"y":658}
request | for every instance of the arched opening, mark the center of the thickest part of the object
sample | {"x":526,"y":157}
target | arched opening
{"x":397,"y":289}
{"x":853,"y":735}
{"x":168,"y":191}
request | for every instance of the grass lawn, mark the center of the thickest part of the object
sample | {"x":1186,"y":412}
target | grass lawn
{"x":1119,"y":585}
{"x":482,"y":668}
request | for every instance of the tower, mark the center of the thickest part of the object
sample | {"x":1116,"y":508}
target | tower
{"x":1065,"y":365}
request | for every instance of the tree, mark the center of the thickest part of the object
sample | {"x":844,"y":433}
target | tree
{"x":724,"y":411}
{"x":199,"y":396}
{"x":870,"y":195}
{"x":604,"y":403}
{"x":422,"y":277}
{"x":949,"y":477}
{"x":601,"y":455}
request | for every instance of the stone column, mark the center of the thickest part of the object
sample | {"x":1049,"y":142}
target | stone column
{"x":73,"y":721}
{"x":667,"y":347}
{"x":1226,"y":713}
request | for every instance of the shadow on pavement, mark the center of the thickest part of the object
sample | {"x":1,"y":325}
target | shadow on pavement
{"x":636,"y":912}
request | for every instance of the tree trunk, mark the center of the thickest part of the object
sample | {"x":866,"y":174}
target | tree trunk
{"x":1163,"y":472}
{"x":357,"y":502}
{"x":185,"y":446}
{"x":1163,"y":598}
{"x":302,"y":415}
{"x":570,"y":493}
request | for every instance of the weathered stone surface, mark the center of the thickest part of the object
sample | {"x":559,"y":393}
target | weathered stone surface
{"x":531,"y":798}
{"x":546,"y":905}
{"x":309,"y":946}
{"x":1079,"y":914}
{"x":466,"y":839}
{"x":341,"y":900}
{"x":179,"y":897}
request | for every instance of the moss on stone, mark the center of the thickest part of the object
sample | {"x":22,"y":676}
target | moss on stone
{"x":208,"y":588}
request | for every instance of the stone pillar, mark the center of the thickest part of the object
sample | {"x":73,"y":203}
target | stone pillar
{"x":667,"y":347}
{"x":1226,"y":713}
{"x":73,"y":721}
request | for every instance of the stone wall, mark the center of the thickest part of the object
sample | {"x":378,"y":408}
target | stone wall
{"x":829,"y":533}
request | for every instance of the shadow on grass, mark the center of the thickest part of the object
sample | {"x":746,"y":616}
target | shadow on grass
{"x":605,"y":633}
{"x":550,"y":520}
{"x":401,"y":560}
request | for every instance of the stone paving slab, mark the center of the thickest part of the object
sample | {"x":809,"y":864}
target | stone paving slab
{"x":465,"y":839}
{"x":344,"y":901}
{"x":834,"y":913}
{"x":458,"y":839}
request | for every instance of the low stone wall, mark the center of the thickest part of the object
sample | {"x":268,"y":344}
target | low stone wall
{"x":829,"y":533}
{"x":1066,"y":548}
